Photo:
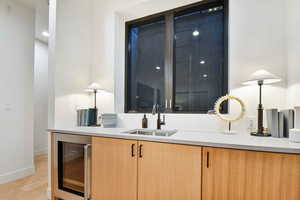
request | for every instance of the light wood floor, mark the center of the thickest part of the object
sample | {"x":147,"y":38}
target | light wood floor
{"x":30,"y":188}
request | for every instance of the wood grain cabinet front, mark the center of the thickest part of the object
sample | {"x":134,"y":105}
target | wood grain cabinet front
{"x":140,"y":170}
{"x":249,"y":175}
{"x":131,"y":170}
{"x":169,"y":172}
{"x":114,"y":169}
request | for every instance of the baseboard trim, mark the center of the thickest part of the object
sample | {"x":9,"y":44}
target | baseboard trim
{"x":17,"y":174}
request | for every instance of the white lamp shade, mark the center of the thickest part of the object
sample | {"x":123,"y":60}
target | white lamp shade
{"x":94,"y":87}
{"x":262,"y":75}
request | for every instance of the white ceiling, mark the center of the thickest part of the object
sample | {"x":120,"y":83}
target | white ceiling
{"x":41,"y":9}
{"x":41,"y":19}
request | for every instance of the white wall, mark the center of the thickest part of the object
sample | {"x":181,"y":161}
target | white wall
{"x":71,"y":60}
{"x":293,"y":46}
{"x":51,"y":82}
{"x":90,"y":35}
{"x":16,"y":86}
{"x":40,"y":97}
{"x":257,"y":38}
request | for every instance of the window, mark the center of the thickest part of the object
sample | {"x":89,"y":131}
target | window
{"x":178,"y":59}
{"x":146,"y":72}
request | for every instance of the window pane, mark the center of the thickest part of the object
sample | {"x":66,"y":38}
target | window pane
{"x":199,"y":59}
{"x":146,"y":72}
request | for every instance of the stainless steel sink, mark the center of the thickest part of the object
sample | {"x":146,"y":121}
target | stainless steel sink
{"x":161,"y":133}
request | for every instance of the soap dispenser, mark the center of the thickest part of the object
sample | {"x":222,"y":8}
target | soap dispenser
{"x":145,"y":122}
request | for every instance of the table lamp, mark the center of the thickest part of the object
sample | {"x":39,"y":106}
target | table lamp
{"x":94,"y":88}
{"x":261,"y":77}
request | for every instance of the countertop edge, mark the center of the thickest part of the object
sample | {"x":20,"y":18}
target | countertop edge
{"x":180,"y":141}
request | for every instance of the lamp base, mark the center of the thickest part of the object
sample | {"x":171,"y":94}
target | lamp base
{"x":259,"y":134}
{"x":92,"y":117}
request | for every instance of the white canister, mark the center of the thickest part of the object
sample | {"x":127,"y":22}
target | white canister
{"x":294,"y":135}
{"x":297,"y":117}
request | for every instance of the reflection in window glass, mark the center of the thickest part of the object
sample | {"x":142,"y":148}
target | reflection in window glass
{"x":145,"y":75}
{"x":199,"y":59}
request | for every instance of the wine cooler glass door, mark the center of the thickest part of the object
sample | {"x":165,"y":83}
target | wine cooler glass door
{"x":71,"y":168}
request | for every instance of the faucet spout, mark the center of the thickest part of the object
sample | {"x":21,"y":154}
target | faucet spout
{"x":156,"y":110}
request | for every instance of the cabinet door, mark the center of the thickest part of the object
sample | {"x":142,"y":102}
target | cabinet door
{"x":169,"y":172}
{"x":248,"y":175}
{"x":114,"y":169}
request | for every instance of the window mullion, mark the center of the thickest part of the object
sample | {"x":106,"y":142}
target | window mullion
{"x":169,"y":62}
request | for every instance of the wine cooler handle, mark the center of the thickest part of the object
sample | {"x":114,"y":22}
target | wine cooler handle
{"x":87,"y":172}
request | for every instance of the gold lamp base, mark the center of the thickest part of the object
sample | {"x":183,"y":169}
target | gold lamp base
{"x":261,"y":134}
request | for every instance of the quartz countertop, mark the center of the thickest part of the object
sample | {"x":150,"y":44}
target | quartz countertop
{"x":199,"y":138}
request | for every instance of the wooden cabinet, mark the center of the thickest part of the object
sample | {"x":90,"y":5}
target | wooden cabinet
{"x":114,"y":169}
{"x":140,"y":170}
{"x":248,"y":175}
{"x":131,"y":170}
{"x":169,"y":172}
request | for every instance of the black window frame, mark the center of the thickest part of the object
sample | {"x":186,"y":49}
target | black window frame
{"x":169,"y":51}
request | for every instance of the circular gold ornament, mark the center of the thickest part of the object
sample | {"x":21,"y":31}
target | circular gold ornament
{"x":228,"y":120}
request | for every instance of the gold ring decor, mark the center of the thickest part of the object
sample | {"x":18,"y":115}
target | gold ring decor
{"x":226,"y":98}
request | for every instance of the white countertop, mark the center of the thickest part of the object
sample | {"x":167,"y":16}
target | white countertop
{"x":200,"y":138}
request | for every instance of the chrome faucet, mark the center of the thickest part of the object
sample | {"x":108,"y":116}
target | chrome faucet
{"x":156,"y":110}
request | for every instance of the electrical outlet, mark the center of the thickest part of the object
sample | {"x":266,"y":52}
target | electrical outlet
{"x":251,"y":124}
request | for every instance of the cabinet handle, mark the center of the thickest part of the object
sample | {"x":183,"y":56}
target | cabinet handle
{"x":141,"y":151}
{"x":207,"y":159}
{"x":171,"y":104}
{"x":132,"y":150}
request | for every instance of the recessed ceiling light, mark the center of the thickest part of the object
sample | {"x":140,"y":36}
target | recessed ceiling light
{"x":205,"y":75}
{"x":202,"y":62}
{"x":157,"y":67}
{"x":196,"y":33}
{"x":45,"y":34}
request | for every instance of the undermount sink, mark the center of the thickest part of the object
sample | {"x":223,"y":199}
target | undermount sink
{"x":161,"y":133}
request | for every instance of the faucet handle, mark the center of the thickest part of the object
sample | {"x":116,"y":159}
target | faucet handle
{"x":154,"y":109}
{"x":164,"y":120}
